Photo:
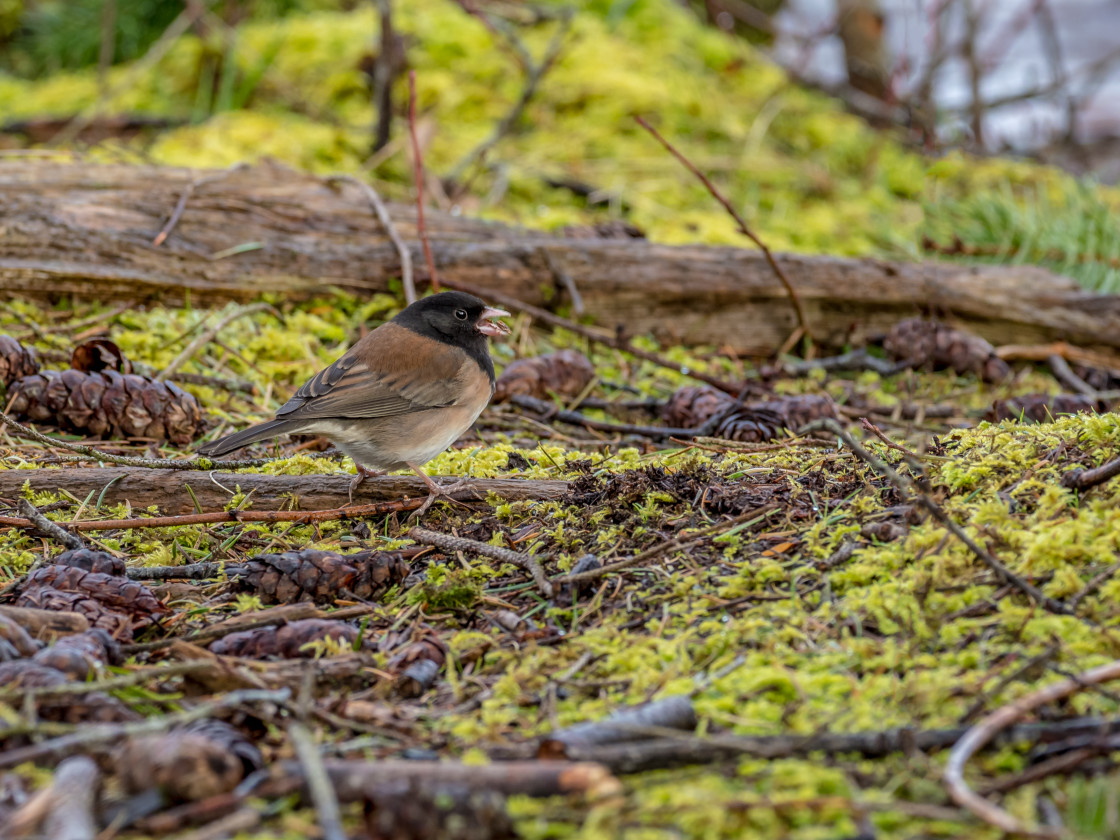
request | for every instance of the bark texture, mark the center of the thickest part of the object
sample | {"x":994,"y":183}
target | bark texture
{"x":87,"y":230}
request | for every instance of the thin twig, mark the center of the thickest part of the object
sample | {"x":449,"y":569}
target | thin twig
{"x":992,"y":725}
{"x":89,"y":452}
{"x":1083,"y":479}
{"x":1092,"y":586}
{"x":907,"y":486}
{"x":418,"y":175}
{"x":617,"y":342}
{"x":189,"y":571}
{"x":318,"y":782}
{"x":209,"y":334}
{"x":51,"y":529}
{"x":383,"y":68}
{"x":802,"y":320}
{"x":181,"y":204}
{"x":174,"y":669}
{"x":675,"y":544}
{"x":551,"y":412}
{"x":390,"y":228}
{"x":1064,"y":374}
{"x":450,"y":543}
{"x":535,"y":73}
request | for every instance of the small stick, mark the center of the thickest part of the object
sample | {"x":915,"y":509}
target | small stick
{"x":675,"y":544}
{"x":64,"y":808}
{"x":450,"y":543}
{"x":907,"y":486}
{"x":802,"y":320}
{"x":52,"y":529}
{"x":618,"y":343}
{"x":551,"y":412}
{"x":386,"y":220}
{"x":318,"y":782}
{"x":1064,"y":374}
{"x":418,"y":175}
{"x":89,"y":452}
{"x":992,"y":725}
{"x":174,"y":669}
{"x":1083,"y":479}
{"x":207,"y":335}
{"x":181,"y":205}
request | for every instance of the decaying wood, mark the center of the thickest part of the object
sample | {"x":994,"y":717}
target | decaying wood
{"x":168,"y":489}
{"x":64,"y":808}
{"x":86,"y":230}
{"x":45,"y":625}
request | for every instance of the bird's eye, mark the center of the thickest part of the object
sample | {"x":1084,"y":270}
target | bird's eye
{"x":461,"y":314}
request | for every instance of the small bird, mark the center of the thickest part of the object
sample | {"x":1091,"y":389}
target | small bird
{"x":401,"y":395}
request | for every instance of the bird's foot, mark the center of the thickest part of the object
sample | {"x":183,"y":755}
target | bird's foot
{"x":363,"y":474}
{"x":436,"y":491}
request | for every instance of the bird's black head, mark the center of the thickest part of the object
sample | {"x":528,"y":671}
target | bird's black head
{"x":456,"y":318}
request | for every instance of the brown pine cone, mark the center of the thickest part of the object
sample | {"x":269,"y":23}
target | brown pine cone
{"x":91,"y":707}
{"x":230,"y":738}
{"x":183,"y":766}
{"x":129,"y":597}
{"x":99,"y":354}
{"x":16,"y":361}
{"x":921,"y":343}
{"x":286,"y":642}
{"x":692,"y":406}
{"x":118,"y":625}
{"x":1040,"y":408}
{"x":319,"y":576}
{"x":81,"y":655}
{"x":108,"y":404}
{"x":91,"y":560}
{"x":564,"y":374}
{"x":418,"y":665}
{"x":15,"y":643}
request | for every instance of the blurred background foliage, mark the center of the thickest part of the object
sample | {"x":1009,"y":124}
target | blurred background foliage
{"x":209,"y":84}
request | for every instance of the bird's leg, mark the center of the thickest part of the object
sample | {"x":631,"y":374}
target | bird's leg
{"x":363,"y":474}
{"x":435,"y":491}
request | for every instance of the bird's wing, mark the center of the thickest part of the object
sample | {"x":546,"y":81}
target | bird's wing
{"x":390,"y":372}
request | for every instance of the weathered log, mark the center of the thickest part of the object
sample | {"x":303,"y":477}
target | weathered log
{"x":167,"y":489}
{"x":87,"y":230}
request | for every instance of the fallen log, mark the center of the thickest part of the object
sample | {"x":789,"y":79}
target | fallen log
{"x":167,"y":489}
{"x":87,"y":230}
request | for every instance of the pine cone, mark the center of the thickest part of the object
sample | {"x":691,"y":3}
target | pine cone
{"x":418,"y":665}
{"x":320,"y":576}
{"x":114,"y":592}
{"x":99,"y":354}
{"x":108,"y":404}
{"x":91,"y":560}
{"x":692,"y":406}
{"x":16,"y":361}
{"x":116,"y":624}
{"x":17,"y":642}
{"x":1040,"y":408}
{"x":230,"y":738}
{"x":920,"y":343}
{"x":183,"y":766}
{"x":411,"y":812}
{"x":90,"y":707}
{"x":287,"y":642}
{"x":81,"y":655}
{"x":564,"y":374}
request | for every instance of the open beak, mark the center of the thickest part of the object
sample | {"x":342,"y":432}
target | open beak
{"x":492,"y":328}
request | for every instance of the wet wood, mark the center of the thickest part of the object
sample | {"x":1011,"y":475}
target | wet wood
{"x":87,"y":231}
{"x":167,"y":489}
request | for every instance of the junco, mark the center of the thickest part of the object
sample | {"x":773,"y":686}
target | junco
{"x":401,"y":395}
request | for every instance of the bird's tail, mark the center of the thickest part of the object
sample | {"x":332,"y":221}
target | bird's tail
{"x":262,"y":431}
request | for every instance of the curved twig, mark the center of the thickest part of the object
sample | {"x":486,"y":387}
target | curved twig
{"x":992,"y":725}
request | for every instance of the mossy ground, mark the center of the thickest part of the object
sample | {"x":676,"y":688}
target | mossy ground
{"x":911,"y":632}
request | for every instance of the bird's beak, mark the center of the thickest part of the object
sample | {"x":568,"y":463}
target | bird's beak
{"x":492,"y":328}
